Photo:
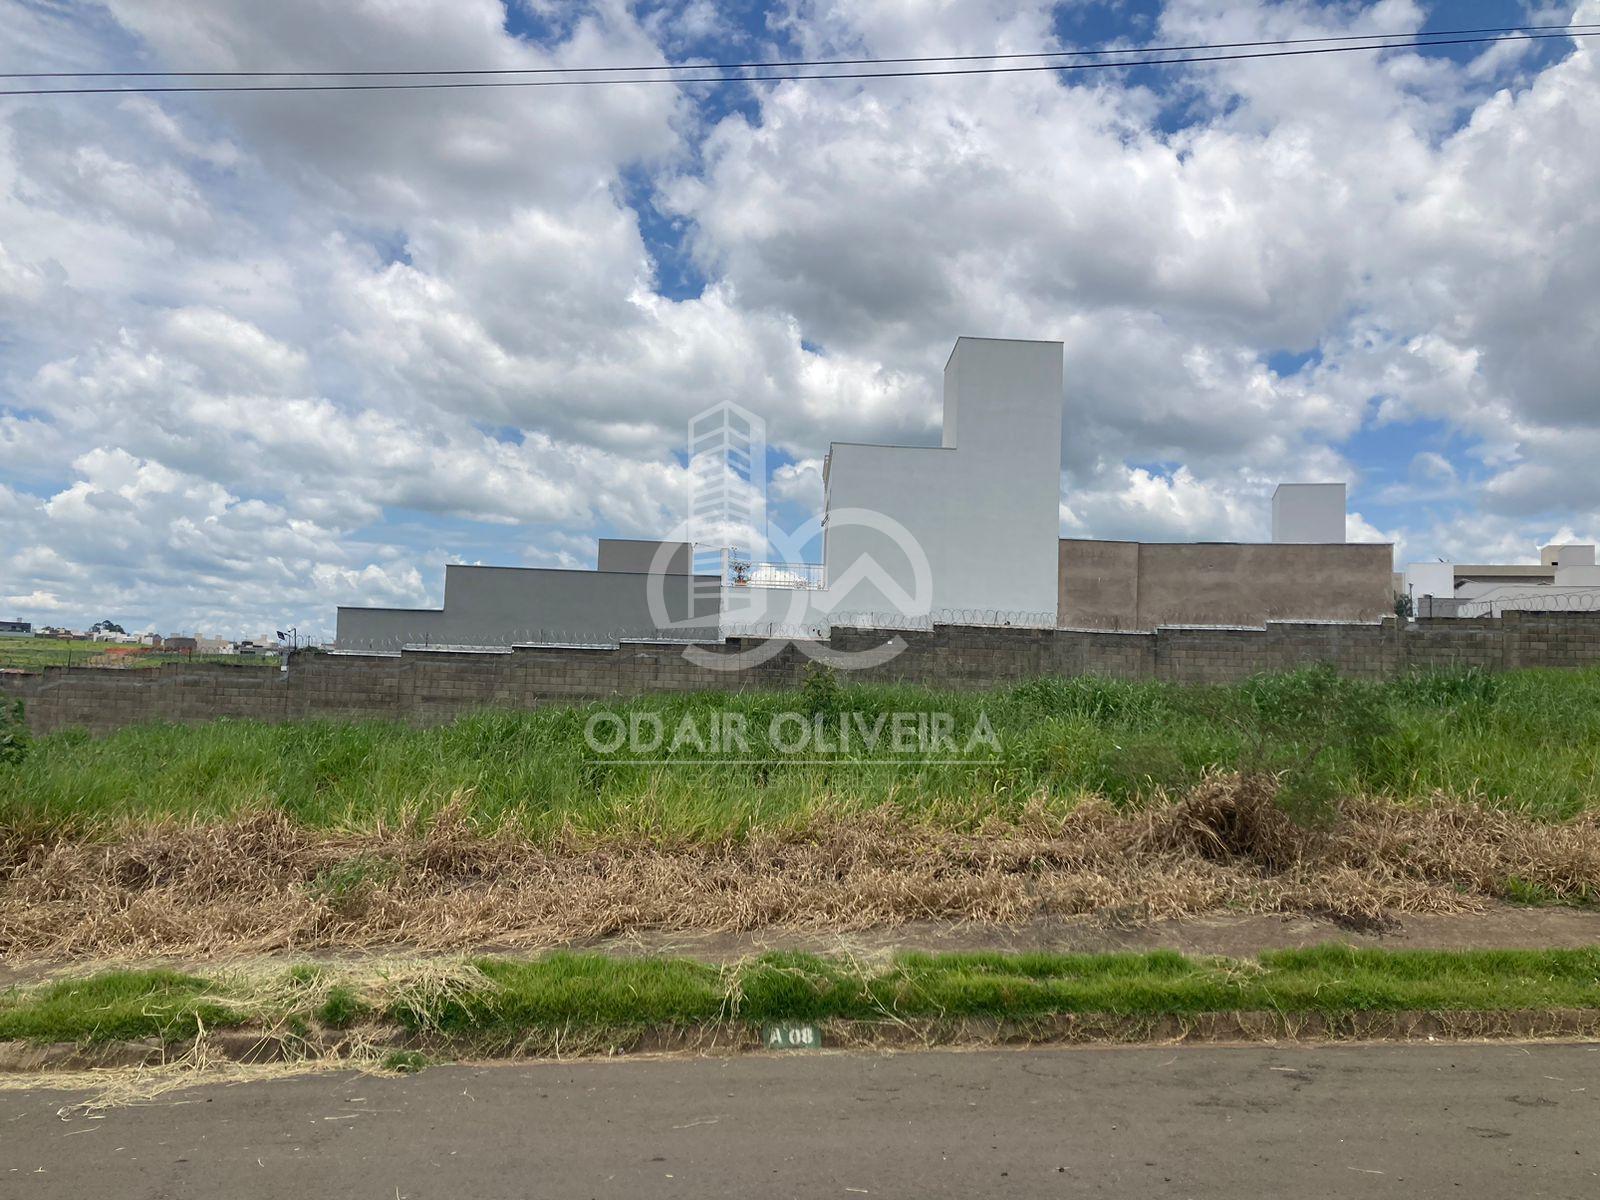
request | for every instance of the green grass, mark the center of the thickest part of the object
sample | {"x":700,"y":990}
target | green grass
{"x":118,"y":1005}
{"x":341,"y":1008}
{"x":157,"y":658}
{"x":1537,"y":895}
{"x":1526,"y":740}
{"x":33,"y":654}
{"x":503,"y":999}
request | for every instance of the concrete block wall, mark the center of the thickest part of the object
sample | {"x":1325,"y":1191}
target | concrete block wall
{"x":428,"y":687}
{"x":1200,"y":655}
{"x":1360,"y":651}
{"x":1542,"y":639}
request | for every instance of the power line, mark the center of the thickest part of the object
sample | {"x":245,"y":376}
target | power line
{"x":680,"y":81}
{"x":1556,"y":30}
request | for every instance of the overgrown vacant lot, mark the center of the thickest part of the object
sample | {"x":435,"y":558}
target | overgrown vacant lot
{"x":37,"y":653}
{"x":1527,"y":742}
{"x":1299,"y":792}
{"x":34,"y":653}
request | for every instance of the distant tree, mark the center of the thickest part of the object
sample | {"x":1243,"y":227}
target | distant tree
{"x":106,"y":627}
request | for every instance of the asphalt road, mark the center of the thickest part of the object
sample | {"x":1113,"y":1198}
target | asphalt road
{"x":1493,"y":1121}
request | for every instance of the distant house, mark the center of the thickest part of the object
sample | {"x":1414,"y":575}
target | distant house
{"x":182,"y":645}
{"x":16,"y":629}
{"x":153,"y":640}
{"x":1566,"y":579}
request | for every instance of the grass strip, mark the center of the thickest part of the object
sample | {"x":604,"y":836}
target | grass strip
{"x":115,"y":1006}
{"x":503,"y":998}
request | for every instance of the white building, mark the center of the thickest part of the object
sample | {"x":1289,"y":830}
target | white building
{"x":1565,"y":579}
{"x":982,"y":509}
{"x":962,"y":533}
{"x":1308,"y":513}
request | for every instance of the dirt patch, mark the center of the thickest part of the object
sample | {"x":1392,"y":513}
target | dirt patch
{"x":263,"y":884}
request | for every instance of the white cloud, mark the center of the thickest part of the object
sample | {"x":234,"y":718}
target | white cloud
{"x":267,"y":353}
{"x":36,"y":601}
{"x":799,"y":483}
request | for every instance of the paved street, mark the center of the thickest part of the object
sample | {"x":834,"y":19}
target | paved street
{"x":1449,"y":1121}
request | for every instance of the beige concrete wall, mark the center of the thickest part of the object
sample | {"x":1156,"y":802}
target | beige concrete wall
{"x":1132,"y":585}
{"x":1104,"y":588}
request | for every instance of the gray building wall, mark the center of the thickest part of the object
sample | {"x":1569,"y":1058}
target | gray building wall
{"x":504,"y":606}
{"x":1142,"y":585}
{"x":385,"y":629}
{"x":639,"y":554}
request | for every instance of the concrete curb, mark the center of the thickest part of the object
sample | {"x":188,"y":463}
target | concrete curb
{"x":257,"y":1047}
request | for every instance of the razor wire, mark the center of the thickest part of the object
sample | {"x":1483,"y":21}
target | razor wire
{"x":547,"y":637}
{"x":526,"y":637}
{"x":1566,"y":600}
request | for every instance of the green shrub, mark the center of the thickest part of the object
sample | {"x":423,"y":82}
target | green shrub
{"x":1305,"y":727}
{"x":820,"y":692}
{"x":341,"y":1008}
{"x":14,"y":740}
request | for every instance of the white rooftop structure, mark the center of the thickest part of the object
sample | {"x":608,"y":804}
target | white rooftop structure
{"x":1308,"y":513}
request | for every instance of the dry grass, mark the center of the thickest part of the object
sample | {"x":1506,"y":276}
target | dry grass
{"x":272,"y":1048}
{"x":200,"y":1062}
{"x":262,"y":883}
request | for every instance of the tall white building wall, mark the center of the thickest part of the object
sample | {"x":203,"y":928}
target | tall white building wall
{"x":983,"y":508}
{"x":1308,"y":513}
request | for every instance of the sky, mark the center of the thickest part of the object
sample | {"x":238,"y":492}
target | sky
{"x":261,"y":356}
